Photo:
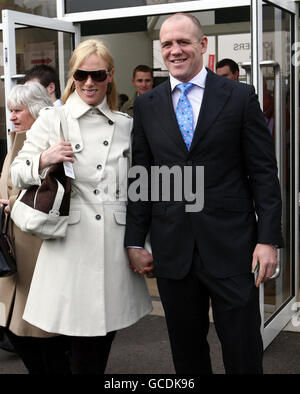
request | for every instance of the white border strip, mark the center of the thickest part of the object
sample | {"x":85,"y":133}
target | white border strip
{"x":169,"y":8}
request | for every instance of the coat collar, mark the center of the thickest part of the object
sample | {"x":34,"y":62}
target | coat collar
{"x":77,"y":107}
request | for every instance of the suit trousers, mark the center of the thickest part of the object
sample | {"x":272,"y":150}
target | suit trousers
{"x":235,"y":306}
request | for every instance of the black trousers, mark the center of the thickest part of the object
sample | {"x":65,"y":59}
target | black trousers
{"x":63,"y":355}
{"x":89,"y":355}
{"x":235,"y":305}
{"x":42,"y":356}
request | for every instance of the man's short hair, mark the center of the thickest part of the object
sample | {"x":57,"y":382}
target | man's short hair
{"x":144,"y":69}
{"x":234,"y":67}
{"x":45,"y":74}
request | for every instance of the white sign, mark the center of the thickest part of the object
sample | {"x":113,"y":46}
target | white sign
{"x":39,"y":53}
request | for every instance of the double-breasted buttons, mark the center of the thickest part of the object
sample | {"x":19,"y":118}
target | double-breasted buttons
{"x":98,"y":217}
{"x":99,"y":167}
{"x":105,"y":143}
{"x":28,"y":162}
{"x":110,"y":122}
{"x":96,"y":191}
{"x":77,"y":146}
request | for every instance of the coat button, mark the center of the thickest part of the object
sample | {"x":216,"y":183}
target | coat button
{"x":96,"y":191}
{"x":77,"y":146}
{"x":105,"y":143}
{"x":98,"y":217}
{"x":110,"y":122}
{"x":99,"y":167}
{"x":28,"y":162}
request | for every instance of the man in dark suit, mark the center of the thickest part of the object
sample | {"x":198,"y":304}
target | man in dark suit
{"x":209,"y":255}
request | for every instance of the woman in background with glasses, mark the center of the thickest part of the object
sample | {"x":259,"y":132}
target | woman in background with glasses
{"x":82,"y":286}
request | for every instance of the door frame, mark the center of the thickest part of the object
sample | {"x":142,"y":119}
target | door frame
{"x":12,"y":20}
{"x":284,"y":314}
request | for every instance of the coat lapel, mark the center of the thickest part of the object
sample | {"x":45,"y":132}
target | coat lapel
{"x":216,"y":93}
{"x":163,"y":109}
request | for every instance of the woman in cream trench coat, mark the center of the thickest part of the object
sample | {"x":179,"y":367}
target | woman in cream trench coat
{"x":82,"y":285}
{"x":34,"y":345}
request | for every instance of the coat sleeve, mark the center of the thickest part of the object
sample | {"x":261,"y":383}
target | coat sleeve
{"x":261,"y":166}
{"x":139,"y":212}
{"x":24,"y":170}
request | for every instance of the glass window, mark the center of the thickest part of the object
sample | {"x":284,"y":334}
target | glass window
{"x":92,"y":5}
{"x":37,"y":7}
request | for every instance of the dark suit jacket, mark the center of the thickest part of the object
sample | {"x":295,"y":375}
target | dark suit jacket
{"x":242,"y":201}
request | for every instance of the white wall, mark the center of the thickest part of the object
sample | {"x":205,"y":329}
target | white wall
{"x":128,"y":51}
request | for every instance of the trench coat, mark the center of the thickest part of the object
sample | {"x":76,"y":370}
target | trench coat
{"x":14,"y":289}
{"x":82,"y":284}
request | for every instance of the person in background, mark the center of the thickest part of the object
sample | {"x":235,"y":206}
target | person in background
{"x":122,"y":100}
{"x":37,"y":349}
{"x":83,"y":287}
{"x":228,"y":68}
{"x":206,"y":251}
{"x":142,"y":79}
{"x":47,"y":76}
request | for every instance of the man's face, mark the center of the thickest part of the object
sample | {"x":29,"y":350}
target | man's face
{"x":226,"y":72}
{"x":143,"y":82}
{"x":182,"y":48}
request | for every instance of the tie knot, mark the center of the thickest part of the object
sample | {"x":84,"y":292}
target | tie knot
{"x":185,"y":87}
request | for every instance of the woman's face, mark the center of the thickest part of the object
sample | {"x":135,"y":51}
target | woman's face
{"x":90,"y":91}
{"x":21,"y":118}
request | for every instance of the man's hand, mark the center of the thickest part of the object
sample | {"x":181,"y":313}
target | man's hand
{"x":266,"y":256}
{"x":141,"y":261}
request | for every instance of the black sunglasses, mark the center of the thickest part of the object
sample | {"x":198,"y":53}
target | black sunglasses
{"x":97,"y":76}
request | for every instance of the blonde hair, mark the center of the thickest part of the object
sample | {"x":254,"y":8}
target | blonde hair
{"x":82,"y":51}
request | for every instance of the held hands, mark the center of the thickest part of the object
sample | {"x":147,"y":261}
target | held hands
{"x":265,"y":258}
{"x":141,"y":261}
{"x":59,"y":152}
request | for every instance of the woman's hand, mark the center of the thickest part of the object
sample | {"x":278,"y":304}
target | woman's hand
{"x":59,"y":152}
{"x":5,"y":202}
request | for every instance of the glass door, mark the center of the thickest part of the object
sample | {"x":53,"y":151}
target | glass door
{"x":29,"y":40}
{"x":274,"y":77}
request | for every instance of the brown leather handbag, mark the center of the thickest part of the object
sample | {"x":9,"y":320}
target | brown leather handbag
{"x":44,"y":210}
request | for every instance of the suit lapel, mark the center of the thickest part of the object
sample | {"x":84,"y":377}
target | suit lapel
{"x":216,"y":93}
{"x":163,"y":109}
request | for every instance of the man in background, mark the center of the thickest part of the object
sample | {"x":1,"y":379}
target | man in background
{"x":142,"y":80}
{"x":228,"y":68}
{"x":48,"y":77}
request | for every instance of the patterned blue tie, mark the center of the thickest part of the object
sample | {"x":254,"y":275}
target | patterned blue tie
{"x":184,"y":114}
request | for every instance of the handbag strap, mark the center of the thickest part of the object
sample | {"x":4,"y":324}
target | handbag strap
{"x":63,"y":123}
{"x":4,"y":216}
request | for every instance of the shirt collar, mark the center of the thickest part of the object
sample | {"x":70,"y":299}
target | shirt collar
{"x":78,"y":107}
{"x":198,"y":79}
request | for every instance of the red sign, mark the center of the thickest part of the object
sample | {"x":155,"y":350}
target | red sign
{"x":211,"y":62}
